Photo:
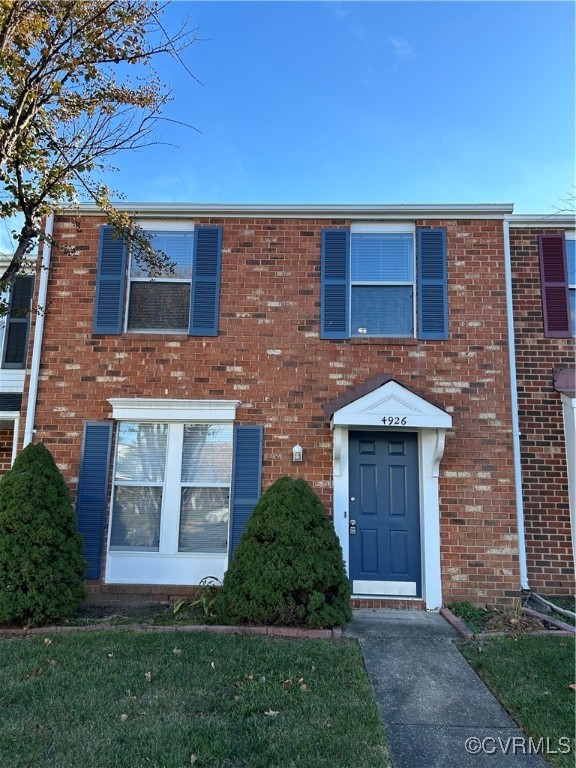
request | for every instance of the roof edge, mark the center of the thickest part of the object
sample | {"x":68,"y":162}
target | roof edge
{"x":304,"y":210}
{"x":542,"y":220}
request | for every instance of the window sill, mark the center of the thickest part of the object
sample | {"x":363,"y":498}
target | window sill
{"x":388,"y":341}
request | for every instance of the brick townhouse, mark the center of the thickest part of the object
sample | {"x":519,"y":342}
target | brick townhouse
{"x":544,"y":290}
{"x":364,"y":348}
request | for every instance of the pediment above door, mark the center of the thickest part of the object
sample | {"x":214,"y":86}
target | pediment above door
{"x":388,"y":405}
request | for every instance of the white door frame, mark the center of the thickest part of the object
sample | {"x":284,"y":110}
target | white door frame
{"x":410,"y":413}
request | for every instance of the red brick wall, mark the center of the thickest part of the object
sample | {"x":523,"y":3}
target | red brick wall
{"x":269,"y":356}
{"x":6,"y":437}
{"x":544,"y":471}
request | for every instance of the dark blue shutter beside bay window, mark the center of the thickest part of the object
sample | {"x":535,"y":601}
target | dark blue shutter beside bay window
{"x":335,"y":284}
{"x":246,"y":478}
{"x":432,"y":284}
{"x":110,"y":282}
{"x":205,"y":293}
{"x":92,"y":498}
{"x":554,"y":280}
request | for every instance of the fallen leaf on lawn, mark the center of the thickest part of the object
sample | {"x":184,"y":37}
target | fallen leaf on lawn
{"x":236,"y":698}
{"x":47,"y":641}
{"x":300,"y":680}
{"x":110,"y":655}
{"x":313,"y":668}
{"x":262,"y":680}
{"x":177,"y":651}
{"x":37,"y":672}
{"x":248,"y":677}
{"x":213,"y":665}
{"x":193,"y":759}
{"x":271,"y":712}
{"x":51,"y":661}
{"x":287,"y":684}
{"x":124,"y":717}
{"x":148,"y":677}
{"x":573,"y":686}
{"x":304,"y":688}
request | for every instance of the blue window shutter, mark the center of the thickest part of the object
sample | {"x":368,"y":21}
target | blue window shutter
{"x":335,"y":284}
{"x":246,"y":478}
{"x":110,"y":282}
{"x":554,"y":283}
{"x":92,"y":495}
{"x":205,"y":293}
{"x":432,"y":284}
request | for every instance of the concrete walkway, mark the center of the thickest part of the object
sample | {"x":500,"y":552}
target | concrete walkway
{"x":430,"y":700}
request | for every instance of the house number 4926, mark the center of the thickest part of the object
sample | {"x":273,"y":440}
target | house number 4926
{"x":394,"y":421}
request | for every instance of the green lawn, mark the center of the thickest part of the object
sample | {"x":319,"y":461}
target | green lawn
{"x":83,"y":700}
{"x":531,"y":677}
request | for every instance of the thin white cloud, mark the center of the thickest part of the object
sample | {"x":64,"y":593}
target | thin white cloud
{"x":403,"y":49}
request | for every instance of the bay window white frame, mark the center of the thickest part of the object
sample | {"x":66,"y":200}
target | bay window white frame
{"x":168,"y":565}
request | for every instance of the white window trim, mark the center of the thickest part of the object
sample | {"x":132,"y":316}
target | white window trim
{"x":166,"y":567}
{"x":384,"y":228}
{"x":156,"y":226}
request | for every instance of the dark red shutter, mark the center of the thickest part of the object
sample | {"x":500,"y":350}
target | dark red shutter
{"x":555,"y":301}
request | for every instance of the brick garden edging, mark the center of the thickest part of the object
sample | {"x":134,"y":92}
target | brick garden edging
{"x":296,"y":632}
{"x":564,"y":630}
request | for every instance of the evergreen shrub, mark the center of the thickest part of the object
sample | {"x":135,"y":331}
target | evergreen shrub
{"x":287,"y":568}
{"x":41,"y":563}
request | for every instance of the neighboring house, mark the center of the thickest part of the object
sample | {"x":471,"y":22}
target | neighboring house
{"x":14,"y":333}
{"x":544,"y":295}
{"x":373,"y":337}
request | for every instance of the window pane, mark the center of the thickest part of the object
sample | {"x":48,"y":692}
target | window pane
{"x":136,"y":518}
{"x":204,"y":516}
{"x":207,"y":453}
{"x":159,"y":306}
{"x":382,"y":310}
{"x":141,"y":454}
{"x":571,"y":261}
{"x":383,"y":257}
{"x":178,"y":246}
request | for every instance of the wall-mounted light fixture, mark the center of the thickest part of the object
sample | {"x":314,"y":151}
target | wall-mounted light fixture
{"x":297,"y":452}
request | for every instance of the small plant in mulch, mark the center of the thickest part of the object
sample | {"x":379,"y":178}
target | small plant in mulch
{"x":513,"y":620}
{"x":510,"y":619}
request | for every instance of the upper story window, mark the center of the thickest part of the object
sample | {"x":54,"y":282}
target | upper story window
{"x":160,"y":300}
{"x":15,"y":325}
{"x":186,"y":300}
{"x":384,"y":280}
{"x":382,"y":285}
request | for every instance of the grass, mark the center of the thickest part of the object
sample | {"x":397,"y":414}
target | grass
{"x":531,"y":677}
{"x":83,"y":700}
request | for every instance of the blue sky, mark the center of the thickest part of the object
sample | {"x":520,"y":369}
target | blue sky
{"x":368,"y":102}
{"x":375,"y":102}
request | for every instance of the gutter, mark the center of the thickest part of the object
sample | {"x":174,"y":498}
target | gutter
{"x":515,"y":418}
{"x":379,"y":212}
{"x":38,"y":334}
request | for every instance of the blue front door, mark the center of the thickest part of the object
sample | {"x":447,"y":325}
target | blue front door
{"x":384,"y":514}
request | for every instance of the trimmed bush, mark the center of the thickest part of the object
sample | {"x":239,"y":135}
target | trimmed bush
{"x":288,"y":567}
{"x":41,"y":563}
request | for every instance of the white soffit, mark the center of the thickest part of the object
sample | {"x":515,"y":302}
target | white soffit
{"x":392,"y":405}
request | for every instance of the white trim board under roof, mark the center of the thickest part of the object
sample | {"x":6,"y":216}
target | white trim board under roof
{"x":542,"y":220}
{"x":305,"y":210}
